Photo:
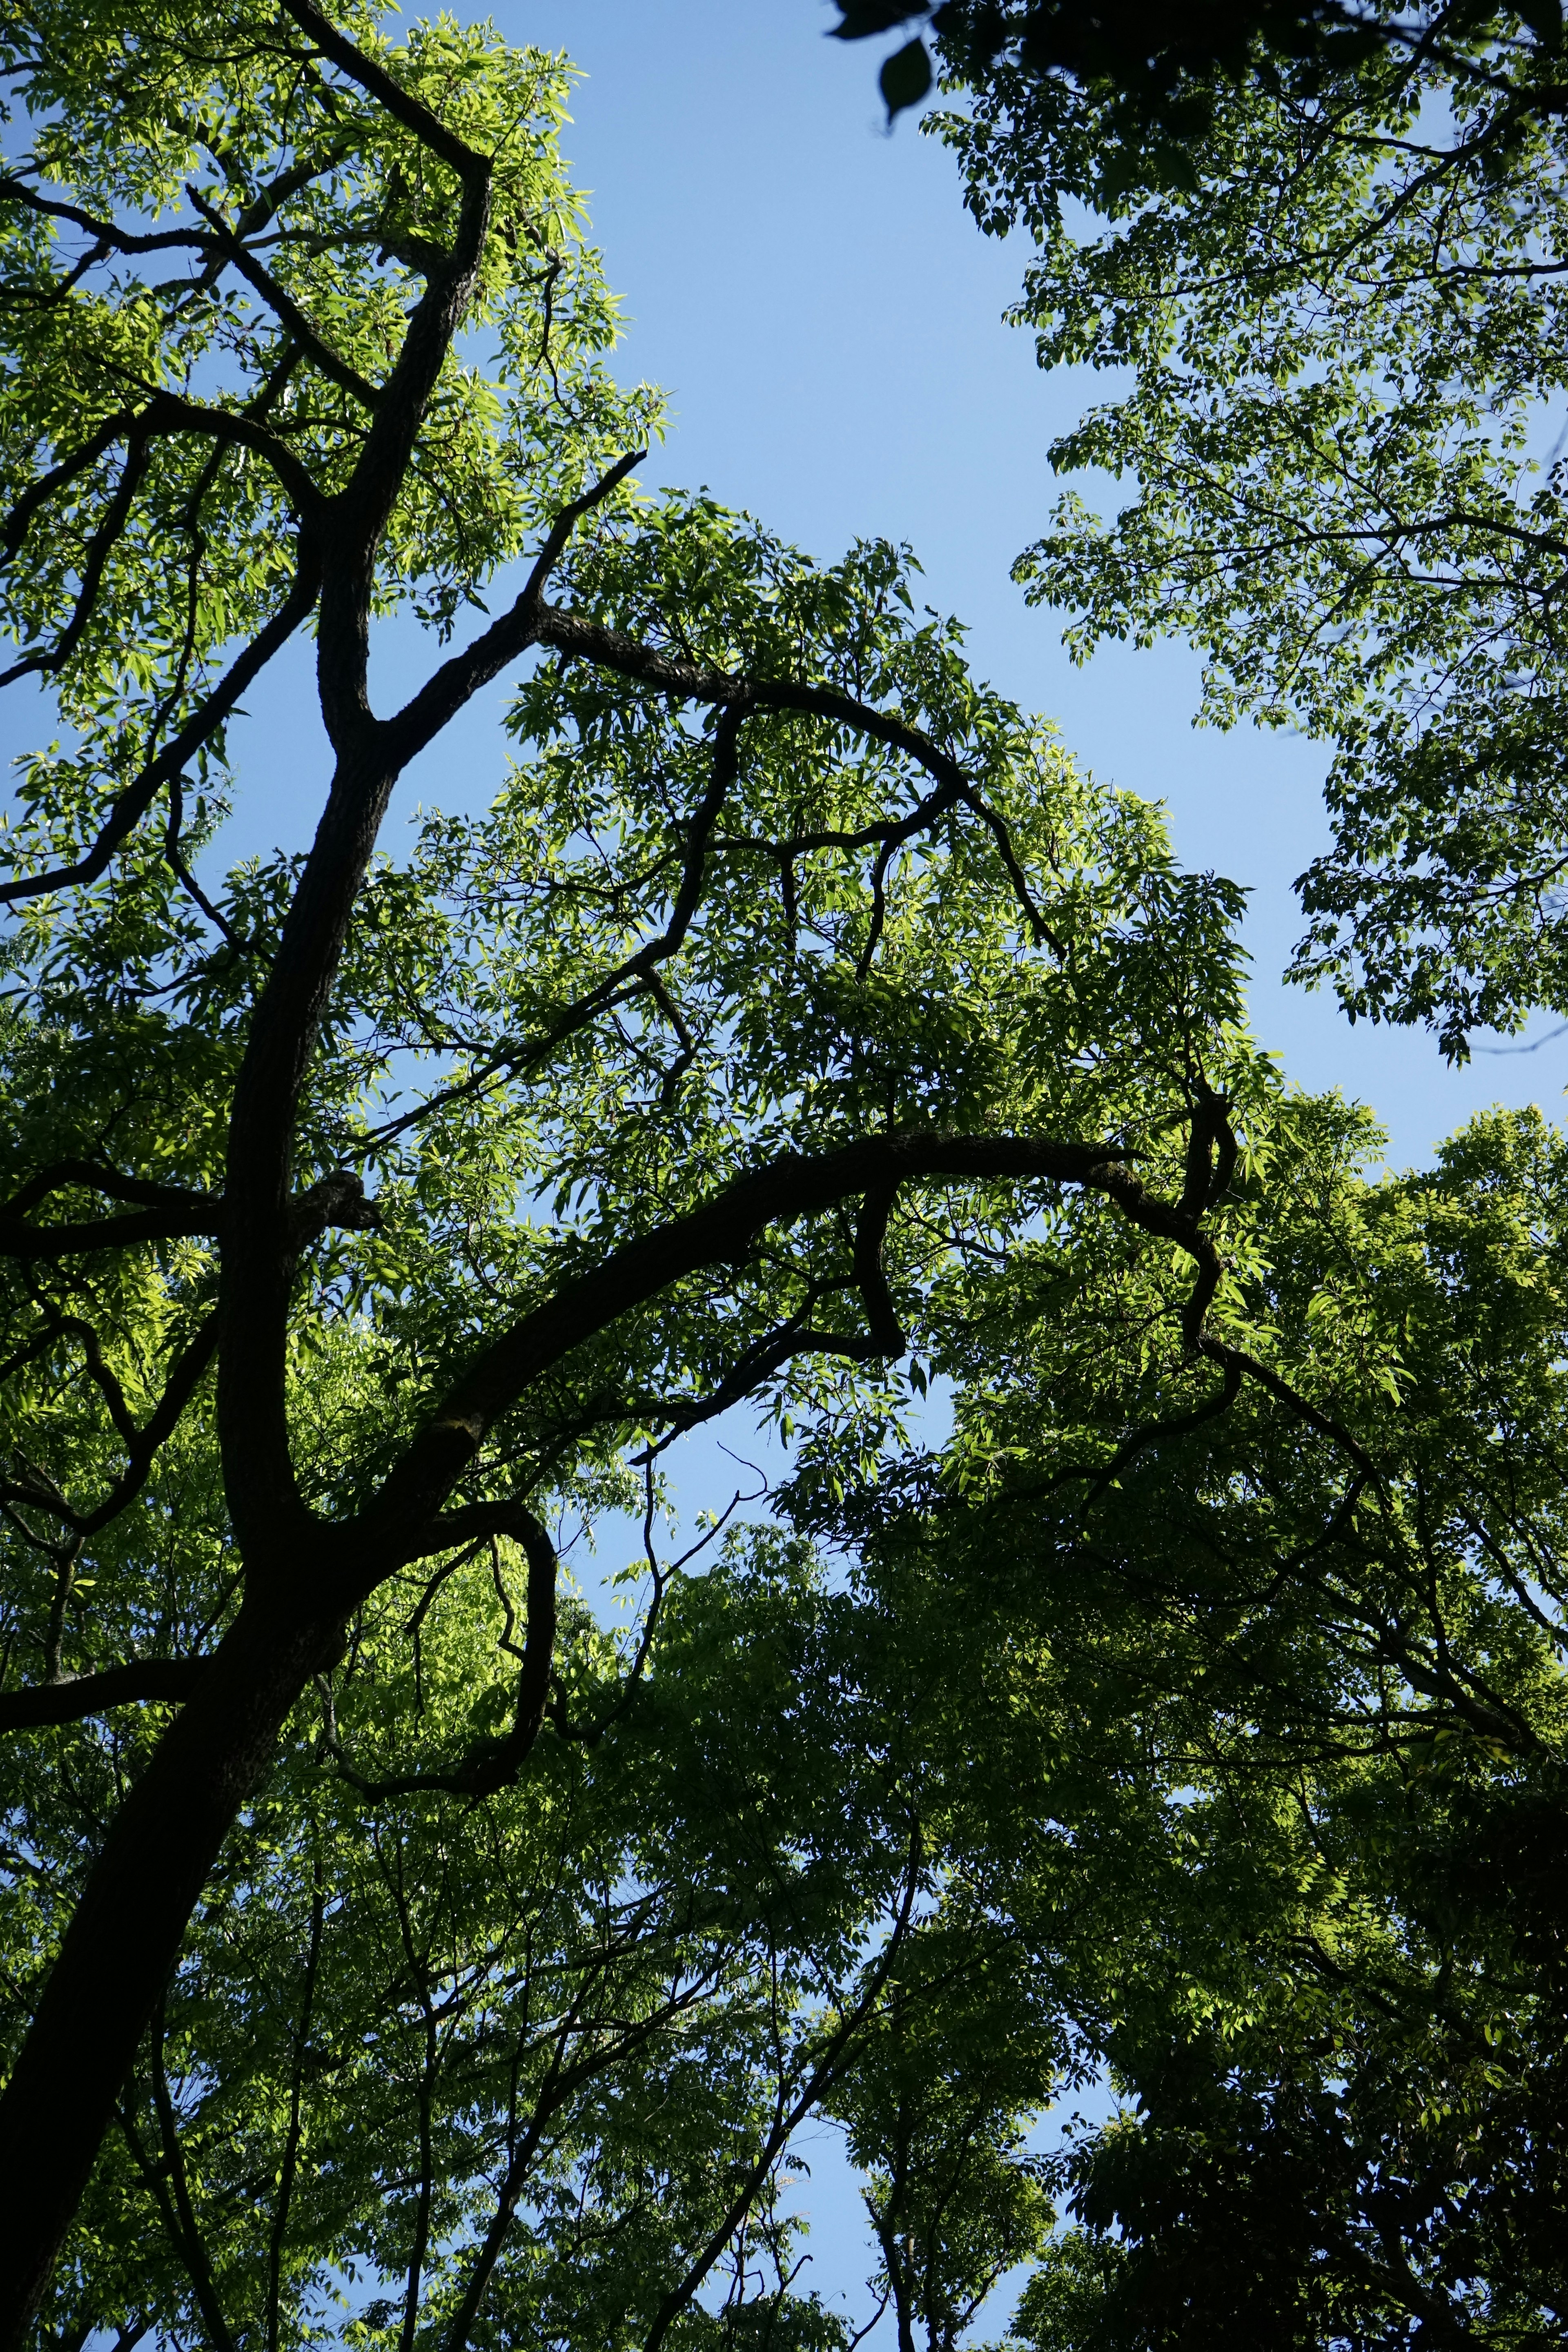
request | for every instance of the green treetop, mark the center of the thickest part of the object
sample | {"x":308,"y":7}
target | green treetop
{"x":392,"y":1952}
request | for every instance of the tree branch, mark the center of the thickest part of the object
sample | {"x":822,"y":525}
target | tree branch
{"x":114,"y":429}
{"x":75,"y":1696}
{"x":283,"y":304}
{"x":1219,"y":1352}
{"x":717,"y":1232}
{"x":169,"y":1212}
{"x":33,"y":1242}
{"x":378,"y":84}
{"x":493,"y":1764}
{"x":448,"y":687}
{"x":99,"y":548}
{"x":144,"y":1444}
{"x":795,"y":1337}
{"x":886,"y":1333}
{"x":187,"y":2236}
{"x":171,"y":414}
{"x":106,"y":233}
{"x":134,"y":803}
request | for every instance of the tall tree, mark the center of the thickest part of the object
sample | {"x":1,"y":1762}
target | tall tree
{"x":361,"y":1218}
{"x":1321,"y":252}
{"x":1196,"y":1748}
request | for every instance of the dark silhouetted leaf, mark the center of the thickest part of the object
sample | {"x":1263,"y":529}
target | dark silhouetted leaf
{"x":906,"y":77}
{"x":862,"y":17}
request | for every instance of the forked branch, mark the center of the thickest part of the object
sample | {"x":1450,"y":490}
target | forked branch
{"x":131,"y":805}
{"x":492,"y":1764}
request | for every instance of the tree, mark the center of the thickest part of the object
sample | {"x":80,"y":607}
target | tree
{"x":529,"y":2065}
{"x":1265,"y":1770}
{"x":1230,"y":1763}
{"x":364,"y":1218}
{"x":1334,"y":293}
{"x":1156,"y":73}
{"x":1329,"y":278}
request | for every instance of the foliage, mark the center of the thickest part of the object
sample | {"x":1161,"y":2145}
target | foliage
{"x":1300,"y":1865}
{"x":1338,"y":337}
{"x":1157,"y":72}
{"x":398,"y":1950}
{"x":368,"y":1222}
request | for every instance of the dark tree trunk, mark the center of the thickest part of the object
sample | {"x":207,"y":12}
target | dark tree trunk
{"x":125,"y":1935}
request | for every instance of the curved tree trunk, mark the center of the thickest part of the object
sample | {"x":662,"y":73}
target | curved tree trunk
{"x":125,"y":1935}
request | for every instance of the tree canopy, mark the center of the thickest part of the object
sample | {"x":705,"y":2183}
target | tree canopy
{"x":1333,"y":316}
{"x":1149,"y":1655}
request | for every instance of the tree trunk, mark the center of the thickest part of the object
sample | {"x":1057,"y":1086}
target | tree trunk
{"x":125,"y":1937}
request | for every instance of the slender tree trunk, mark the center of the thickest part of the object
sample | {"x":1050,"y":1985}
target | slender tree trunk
{"x":125,"y":1937}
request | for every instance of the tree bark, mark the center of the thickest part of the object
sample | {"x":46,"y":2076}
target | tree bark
{"x":125,"y":1935}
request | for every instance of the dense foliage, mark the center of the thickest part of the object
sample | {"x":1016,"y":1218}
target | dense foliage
{"x":1147,"y":1662}
{"x":1334,"y":325}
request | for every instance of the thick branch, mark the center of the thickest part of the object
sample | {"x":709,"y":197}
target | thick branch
{"x":169,"y":1213}
{"x":719,"y":1232}
{"x":75,"y":1696}
{"x":169,"y":414}
{"x":378,"y":84}
{"x":103,"y":232}
{"x":886,"y":1331}
{"x":494,"y":1764}
{"x":198,"y":1214}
